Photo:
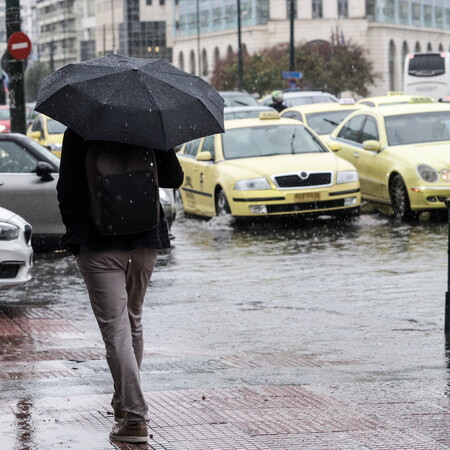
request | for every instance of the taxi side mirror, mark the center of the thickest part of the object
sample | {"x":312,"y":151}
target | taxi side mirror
{"x":204,"y":156}
{"x":334,"y":145}
{"x":372,"y":145}
{"x":36,"y":135}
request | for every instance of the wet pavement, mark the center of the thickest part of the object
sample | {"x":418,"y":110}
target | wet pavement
{"x":312,"y":335}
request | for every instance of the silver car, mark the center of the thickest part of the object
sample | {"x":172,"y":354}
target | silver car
{"x":28,"y":177}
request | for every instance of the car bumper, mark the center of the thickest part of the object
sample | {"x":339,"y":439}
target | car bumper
{"x":15,"y":264}
{"x":428,"y":198}
{"x":299,"y":201}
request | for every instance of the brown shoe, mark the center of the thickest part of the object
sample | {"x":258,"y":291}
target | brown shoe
{"x":129,"y":432}
{"x":119,"y":415}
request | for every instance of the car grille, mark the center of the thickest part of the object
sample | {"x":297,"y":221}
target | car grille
{"x":307,"y":206}
{"x":294,"y":180}
{"x":9,"y":269}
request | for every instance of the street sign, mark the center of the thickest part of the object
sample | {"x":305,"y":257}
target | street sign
{"x":295,"y":75}
{"x":6,"y":58}
{"x":19,"y":45}
{"x":292,"y":83}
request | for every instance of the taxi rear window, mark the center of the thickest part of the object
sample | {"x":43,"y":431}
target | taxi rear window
{"x":269,"y":140}
{"x":417,"y":128}
{"x":326,"y":122}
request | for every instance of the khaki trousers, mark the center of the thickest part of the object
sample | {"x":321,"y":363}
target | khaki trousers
{"x":117,"y":281}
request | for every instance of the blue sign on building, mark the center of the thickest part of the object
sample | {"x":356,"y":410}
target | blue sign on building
{"x":294,"y":75}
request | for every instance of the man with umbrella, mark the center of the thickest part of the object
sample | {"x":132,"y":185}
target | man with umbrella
{"x":120,"y":104}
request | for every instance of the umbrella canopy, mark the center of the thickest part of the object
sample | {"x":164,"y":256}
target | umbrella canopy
{"x":140,"y":101}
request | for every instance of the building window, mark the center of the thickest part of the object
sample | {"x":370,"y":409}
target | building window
{"x":149,"y":2}
{"x":405,"y":51}
{"x":162,"y":2}
{"x":343,"y":9}
{"x":181,"y":61}
{"x":447,"y":18}
{"x":204,"y":63}
{"x":439,"y":16}
{"x":389,"y":10}
{"x":192,"y":61}
{"x":427,"y":15}
{"x":392,"y":63}
{"x":317,"y":9}
{"x":417,"y":48}
{"x":288,"y":8}
{"x":403,"y":11}
{"x":370,"y":10}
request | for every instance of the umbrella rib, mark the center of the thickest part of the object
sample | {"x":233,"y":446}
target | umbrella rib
{"x":153,"y":101}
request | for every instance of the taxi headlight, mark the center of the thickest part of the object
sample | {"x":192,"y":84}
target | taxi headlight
{"x":8,"y":232}
{"x":254,"y":184}
{"x":427,"y":173}
{"x":347,"y":176}
{"x":445,"y":174}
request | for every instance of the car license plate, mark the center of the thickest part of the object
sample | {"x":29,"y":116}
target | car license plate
{"x":307,"y":197}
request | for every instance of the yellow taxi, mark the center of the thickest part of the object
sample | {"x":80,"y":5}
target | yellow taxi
{"x":47,"y":132}
{"x":394,"y":98}
{"x":323,"y":118}
{"x":401,"y":153}
{"x":266,"y":166}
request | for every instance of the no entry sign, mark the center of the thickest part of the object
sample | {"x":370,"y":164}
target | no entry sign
{"x":19,"y":45}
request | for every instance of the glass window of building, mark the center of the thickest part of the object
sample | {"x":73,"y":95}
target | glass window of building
{"x":317,"y":9}
{"x":427,"y":15}
{"x":370,"y":10}
{"x":262,"y":12}
{"x":389,"y":10}
{"x":392,"y":64}
{"x":415,"y":12}
{"x":403,"y":11}
{"x":343,"y":9}
{"x":439,"y":16}
{"x":447,"y":18}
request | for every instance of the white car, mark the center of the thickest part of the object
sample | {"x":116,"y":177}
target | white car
{"x":16,"y":252}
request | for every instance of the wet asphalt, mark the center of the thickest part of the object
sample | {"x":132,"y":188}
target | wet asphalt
{"x":345,"y":308}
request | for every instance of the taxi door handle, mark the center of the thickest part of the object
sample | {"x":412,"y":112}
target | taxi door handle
{"x":2,"y":183}
{"x":356,"y":155}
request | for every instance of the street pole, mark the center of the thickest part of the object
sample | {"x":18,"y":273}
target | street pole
{"x":447,"y":294}
{"x":240,"y":68}
{"x":198,"y":39}
{"x":15,"y":71}
{"x":291,"y":40}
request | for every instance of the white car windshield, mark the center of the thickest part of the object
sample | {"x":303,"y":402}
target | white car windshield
{"x":269,"y":140}
{"x":417,"y":128}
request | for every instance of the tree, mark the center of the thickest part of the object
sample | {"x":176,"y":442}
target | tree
{"x":33,"y":79}
{"x":324,"y":66}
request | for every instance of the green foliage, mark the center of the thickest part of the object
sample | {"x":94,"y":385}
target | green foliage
{"x":324,"y":66}
{"x":33,"y":79}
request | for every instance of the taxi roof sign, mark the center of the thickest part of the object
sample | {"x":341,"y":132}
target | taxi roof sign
{"x":268,"y":115}
{"x":420,"y":100}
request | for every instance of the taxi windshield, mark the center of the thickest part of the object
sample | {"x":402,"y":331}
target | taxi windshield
{"x":269,"y":140}
{"x":326,"y":122}
{"x":417,"y":128}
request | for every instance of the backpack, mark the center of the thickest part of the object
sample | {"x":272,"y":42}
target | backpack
{"x":123,"y":188}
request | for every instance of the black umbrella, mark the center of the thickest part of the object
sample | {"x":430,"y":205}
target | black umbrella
{"x":138,"y":101}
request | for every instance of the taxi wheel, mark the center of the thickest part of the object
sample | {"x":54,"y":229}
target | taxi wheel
{"x":400,"y":201}
{"x":222,"y":206}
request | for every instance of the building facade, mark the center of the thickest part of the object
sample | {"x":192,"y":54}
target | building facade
{"x":133,"y":27}
{"x":387,"y":29}
{"x":60,"y":31}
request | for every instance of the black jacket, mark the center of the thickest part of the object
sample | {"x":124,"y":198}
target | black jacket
{"x":73,"y":198}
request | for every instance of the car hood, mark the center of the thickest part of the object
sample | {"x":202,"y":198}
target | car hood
{"x":10,"y":217}
{"x":278,"y":164}
{"x":434,"y":154}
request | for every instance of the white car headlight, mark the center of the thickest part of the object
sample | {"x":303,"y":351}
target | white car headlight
{"x":55,"y":146}
{"x":445,"y":174}
{"x":427,"y":173}
{"x":8,"y":232}
{"x":254,"y":184}
{"x":163,"y":197}
{"x":347,"y":176}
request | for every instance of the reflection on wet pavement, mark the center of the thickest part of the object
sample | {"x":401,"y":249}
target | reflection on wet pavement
{"x":274,"y":335}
